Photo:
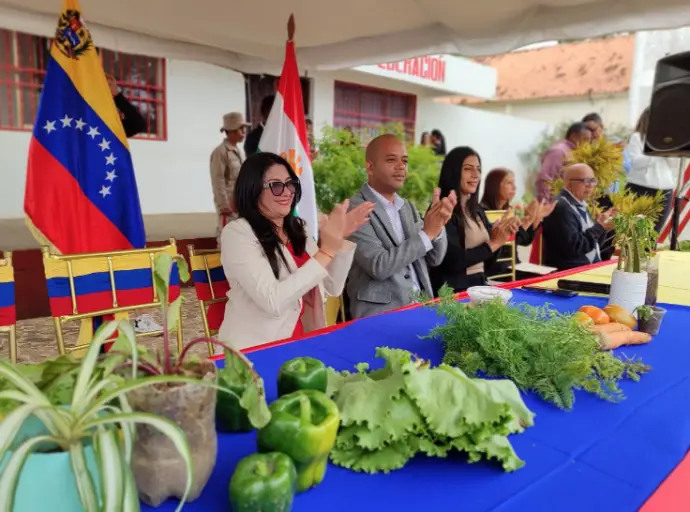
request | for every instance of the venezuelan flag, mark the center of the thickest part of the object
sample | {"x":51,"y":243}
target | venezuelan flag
{"x":8,"y":312}
{"x":81,"y":195}
{"x":210,"y":282}
{"x":93,"y":290}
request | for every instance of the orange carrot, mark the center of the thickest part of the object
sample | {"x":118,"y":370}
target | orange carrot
{"x":612,"y":327}
{"x":611,"y":340}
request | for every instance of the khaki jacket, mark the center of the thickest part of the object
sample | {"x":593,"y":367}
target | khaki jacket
{"x":261,"y":308}
{"x":226,"y":161}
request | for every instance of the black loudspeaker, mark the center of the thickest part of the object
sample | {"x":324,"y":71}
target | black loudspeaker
{"x":668,"y":133}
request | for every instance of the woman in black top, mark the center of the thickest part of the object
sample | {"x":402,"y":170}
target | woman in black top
{"x":499,"y":191}
{"x":472,"y":241}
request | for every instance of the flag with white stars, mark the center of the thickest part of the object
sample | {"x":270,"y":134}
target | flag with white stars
{"x":81,"y":194}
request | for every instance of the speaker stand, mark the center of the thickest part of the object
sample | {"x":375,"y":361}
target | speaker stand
{"x":678,"y":206}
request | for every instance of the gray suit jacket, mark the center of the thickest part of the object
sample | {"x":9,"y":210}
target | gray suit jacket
{"x":379,"y":278}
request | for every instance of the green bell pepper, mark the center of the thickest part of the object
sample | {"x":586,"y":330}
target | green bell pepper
{"x":302,"y":373}
{"x":263,"y":482}
{"x":303,"y":425}
{"x":230,"y":415}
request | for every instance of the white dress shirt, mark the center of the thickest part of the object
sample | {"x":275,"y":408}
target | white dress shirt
{"x":393,"y":210}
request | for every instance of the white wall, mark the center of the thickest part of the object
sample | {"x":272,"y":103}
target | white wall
{"x":499,"y":139}
{"x":197,"y":97}
{"x":613,"y":108}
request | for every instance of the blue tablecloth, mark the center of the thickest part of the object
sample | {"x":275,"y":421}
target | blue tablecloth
{"x":600,"y":456}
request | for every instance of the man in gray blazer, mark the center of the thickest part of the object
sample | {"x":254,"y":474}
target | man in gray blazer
{"x":395,"y":246}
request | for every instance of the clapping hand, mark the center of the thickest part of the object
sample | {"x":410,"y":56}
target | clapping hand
{"x":340,"y":224}
{"x":357,"y":217}
{"x":605,"y":219}
{"x":504,"y":229}
{"x":439,"y":213}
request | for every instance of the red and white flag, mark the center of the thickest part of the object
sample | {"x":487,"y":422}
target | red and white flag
{"x":684,"y":213}
{"x":285,"y":132}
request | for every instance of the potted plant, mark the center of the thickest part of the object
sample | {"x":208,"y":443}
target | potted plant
{"x":635,"y":238}
{"x":649,"y":319}
{"x":159,"y":471}
{"x":76,"y":456}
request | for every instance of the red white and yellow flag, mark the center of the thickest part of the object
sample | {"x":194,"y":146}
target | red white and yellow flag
{"x":285,"y":134}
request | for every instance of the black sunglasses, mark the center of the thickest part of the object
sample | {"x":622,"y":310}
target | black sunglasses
{"x":278,"y":187}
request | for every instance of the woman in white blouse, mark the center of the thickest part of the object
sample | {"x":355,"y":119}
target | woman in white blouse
{"x":650,"y":174}
{"x":278,"y":275}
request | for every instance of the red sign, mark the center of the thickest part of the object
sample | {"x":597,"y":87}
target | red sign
{"x":428,"y":68}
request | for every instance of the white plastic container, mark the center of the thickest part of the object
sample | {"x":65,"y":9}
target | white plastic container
{"x":628,"y":289}
{"x":479,"y":294}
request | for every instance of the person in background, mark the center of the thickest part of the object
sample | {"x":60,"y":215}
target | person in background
{"x":226,"y":161}
{"x":596,"y":125}
{"x":132,"y":121}
{"x":650,"y":174}
{"x":554,"y":158}
{"x":251,"y":145}
{"x":571,"y":237}
{"x":313,"y":151}
{"x":499,"y":192}
{"x":472,"y":242}
{"x":438,"y":143}
{"x":395,"y":247}
{"x":277,"y":273}
{"x":425,"y":140}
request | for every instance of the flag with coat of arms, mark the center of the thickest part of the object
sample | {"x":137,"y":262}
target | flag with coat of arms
{"x":285,"y":132}
{"x":81,"y":195}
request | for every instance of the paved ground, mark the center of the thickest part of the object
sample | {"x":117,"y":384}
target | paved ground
{"x":36,"y":337}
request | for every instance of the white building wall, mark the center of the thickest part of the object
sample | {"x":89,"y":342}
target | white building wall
{"x":613,"y":108}
{"x":172,"y":175}
{"x":499,"y":139}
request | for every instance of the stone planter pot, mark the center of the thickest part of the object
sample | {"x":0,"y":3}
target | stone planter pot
{"x":628,"y":289}
{"x":652,"y":325}
{"x":159,"y":471}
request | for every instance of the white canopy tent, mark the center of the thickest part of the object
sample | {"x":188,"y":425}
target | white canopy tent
{"x":250,"y":35}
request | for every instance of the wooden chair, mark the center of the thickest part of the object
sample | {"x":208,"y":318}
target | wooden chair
{"x":105,"y":284}
{"x":494,"y":216}
{"x":8,"y":311}
{"x":211,"y":288}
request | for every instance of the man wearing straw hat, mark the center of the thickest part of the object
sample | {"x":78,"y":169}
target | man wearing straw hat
{"x":226,"y":161}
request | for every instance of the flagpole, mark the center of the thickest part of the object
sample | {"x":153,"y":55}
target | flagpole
{"x":291,"y":28}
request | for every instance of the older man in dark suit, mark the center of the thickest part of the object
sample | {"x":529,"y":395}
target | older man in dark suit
{"x":572,"y":238}
{"x":394,"y":248}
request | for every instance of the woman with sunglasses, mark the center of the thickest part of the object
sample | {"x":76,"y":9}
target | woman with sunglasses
{"x":276,"y":271}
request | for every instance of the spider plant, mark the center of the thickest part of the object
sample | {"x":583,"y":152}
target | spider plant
{"x":98,"y":415}
{"x":169,"y":363}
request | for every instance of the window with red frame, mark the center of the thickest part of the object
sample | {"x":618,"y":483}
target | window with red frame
{"x":23,"y":62}
{"x":366,"y":110}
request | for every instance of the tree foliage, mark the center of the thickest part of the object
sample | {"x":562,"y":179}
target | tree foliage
{"x":339,"y":169}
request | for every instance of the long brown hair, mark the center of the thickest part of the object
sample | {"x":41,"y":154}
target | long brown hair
{"x":492,"y":189}
{"x":642,"y":123}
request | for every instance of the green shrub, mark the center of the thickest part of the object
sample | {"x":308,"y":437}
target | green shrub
{"x":339,"y":169}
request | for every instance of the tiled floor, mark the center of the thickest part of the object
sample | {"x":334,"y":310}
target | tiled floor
{"x":36,"y":337}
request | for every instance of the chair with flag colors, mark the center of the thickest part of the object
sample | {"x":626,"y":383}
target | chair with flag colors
{"x":8,"y":311}
{"x":494,"y":216}
{"x":107,"y":285}
{"x":211,"y":288}
{"x":335,"y":307}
